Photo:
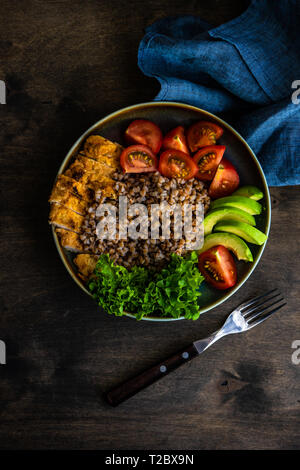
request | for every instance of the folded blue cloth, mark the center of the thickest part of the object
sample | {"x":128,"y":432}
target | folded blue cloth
{"x":242,"y":71}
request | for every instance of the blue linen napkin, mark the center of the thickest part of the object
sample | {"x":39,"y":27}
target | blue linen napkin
{"x":242,"y":71}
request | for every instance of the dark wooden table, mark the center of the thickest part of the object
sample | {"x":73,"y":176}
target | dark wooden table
{"x":66,"y":64}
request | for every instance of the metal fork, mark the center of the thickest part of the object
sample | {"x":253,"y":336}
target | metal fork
{"x":243,"y":318}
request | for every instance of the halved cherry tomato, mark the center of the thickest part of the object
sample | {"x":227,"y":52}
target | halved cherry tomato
{"x":208,"y":159}
{"x":218,"y":267}
{"x":138,"y":159}
{"x":144,"y":132}
{"x":175,"y":139}
{"x":225,"y":182}
{"x":203,"y":133}
{"x":173,"y":163}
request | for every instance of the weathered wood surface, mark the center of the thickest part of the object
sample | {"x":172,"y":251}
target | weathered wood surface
{"x":66,"y":64}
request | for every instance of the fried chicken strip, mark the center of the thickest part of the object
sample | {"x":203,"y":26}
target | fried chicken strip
{"x":102,"y":150}
{"x":63,"y":217}
{"x":71,"y":241}
{"x":65,"y":183}
{"x":68,"y":199}
{"x":86,"y":265}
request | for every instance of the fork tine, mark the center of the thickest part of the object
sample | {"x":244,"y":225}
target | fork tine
{"x":264,"y":317}
{"x":255,"y":307}
{"x":255,"y":299}
{"x":259,"y":311}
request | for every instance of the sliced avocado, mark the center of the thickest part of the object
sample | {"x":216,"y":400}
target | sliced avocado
{"x":249,"y":191}
{"x":231,"y":242}
{"x":241,"y":202}
{"x":224,"y":213}
{"x":245,"y":231}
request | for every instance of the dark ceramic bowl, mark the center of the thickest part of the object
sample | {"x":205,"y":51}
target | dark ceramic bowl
{"x":169,"y":115}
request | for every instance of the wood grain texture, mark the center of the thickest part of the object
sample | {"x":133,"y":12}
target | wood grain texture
{"x":66,"y":64}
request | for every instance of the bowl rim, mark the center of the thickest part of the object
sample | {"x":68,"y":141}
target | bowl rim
{"x":223,"y":123}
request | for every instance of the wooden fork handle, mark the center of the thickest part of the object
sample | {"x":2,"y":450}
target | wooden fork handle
{"x":127,"y":389}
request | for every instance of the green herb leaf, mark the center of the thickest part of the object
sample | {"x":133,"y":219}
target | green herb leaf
{"x":172,"y":292}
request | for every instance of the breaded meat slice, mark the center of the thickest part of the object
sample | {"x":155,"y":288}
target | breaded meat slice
{"x":84,"y":170}
{"x":102,"y":150}
{"x":94,"y":175}
{"x":70,"y":240}
{"x":69,"y":200}
{"x":95,"y":180}
{"x":94,"y":165}
{"x":65,"y":183}
{"x":86,"y":265}
{"x":106,"y":190}
{"x":92,"y":180}
{"x":63,"y":217}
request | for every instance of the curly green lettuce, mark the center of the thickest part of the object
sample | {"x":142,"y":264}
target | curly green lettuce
{"x":172,"y":292}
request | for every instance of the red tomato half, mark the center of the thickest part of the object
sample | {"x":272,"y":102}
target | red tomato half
{"x":173,"y":163}
{"x":218,"y":267}
{"x":175,"y":139}
{"x":138,"y":159}
{"x":144,"y":132}
{"x":203,"y":133}
{"x":225,"y":182}
{"x":208,"y":159}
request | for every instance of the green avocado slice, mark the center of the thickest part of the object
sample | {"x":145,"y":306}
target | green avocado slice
{"x":249,"y":191}
{"x":231,"y":242}
{"x":241,"y":202}
{"x":225,"y":213}
{"x":245,"y":231}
